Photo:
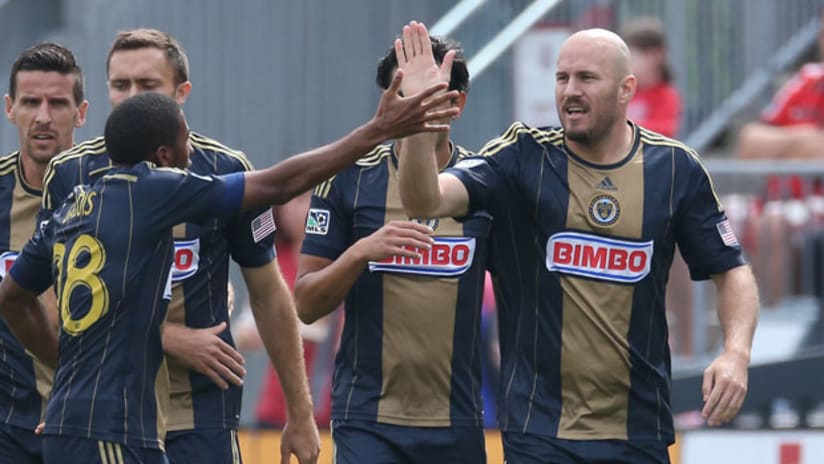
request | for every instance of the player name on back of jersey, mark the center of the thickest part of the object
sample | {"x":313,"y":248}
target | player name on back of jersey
{"x":598,"y":257}
{"x":448,"y":257}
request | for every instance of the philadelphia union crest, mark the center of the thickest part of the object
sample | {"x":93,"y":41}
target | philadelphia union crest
{"x":604,"y":210}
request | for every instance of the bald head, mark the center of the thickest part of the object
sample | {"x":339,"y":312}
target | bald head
{"x":600,"y":43}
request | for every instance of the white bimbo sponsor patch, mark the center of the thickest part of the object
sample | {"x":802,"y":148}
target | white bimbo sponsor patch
{"x":187,"y":258}
{"x":448,"y":257}
{"x":598,"y":257}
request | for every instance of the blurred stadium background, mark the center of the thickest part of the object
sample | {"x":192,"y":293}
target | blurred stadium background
{"x":274,"y":77}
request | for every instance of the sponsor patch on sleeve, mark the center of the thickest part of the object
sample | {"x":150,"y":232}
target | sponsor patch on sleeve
{"x":263,"y":225}
{"x":726,"y":233}
{"x":317,"y":221}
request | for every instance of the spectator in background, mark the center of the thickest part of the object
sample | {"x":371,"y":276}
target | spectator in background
{"x":791,"y":126}
{"x":657,"y":103}
{"x":657,"y":106}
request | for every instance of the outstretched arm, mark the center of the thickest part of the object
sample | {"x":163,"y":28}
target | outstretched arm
{"x":395,"y":117}
{"x":725,"y":380}
{"x":27,"y":319}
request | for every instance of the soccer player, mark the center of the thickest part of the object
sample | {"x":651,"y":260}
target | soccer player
{"x":586,"y":219}
{"x":205,"y":370}
{"x":407,"y":379}
{"x":108,"y":249}
{"x":45,"y":102}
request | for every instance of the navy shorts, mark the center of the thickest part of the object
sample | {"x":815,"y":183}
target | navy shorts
{"x":209,"y":446}
{"x":61,"y":449}
{"x":520,"y":448}
{"x":19,"y":445}
{"x":360,"y":442}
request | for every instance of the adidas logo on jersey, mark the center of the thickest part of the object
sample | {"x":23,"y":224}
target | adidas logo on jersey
{"x":606,"y":184}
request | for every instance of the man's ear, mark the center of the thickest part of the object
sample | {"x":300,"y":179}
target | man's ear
{"x":162,"y":157}
{"x":460,"y":102}
{"x":627,"y":89}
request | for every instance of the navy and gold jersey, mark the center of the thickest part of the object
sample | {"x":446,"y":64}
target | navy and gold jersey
{"x":581,"y":257}
{"x":409,"y":353}
{"x":25,"y":382}
{"x":200,"y":272}
{"x":109,"y":250}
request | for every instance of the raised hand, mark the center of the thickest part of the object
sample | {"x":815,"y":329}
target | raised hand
{"x":415,"y":59}
{"x":398,"y":117}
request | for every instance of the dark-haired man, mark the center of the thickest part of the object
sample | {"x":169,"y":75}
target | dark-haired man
{"x":46,"y":103}
{"x":205,"y":371}
{"x":407,"y":376}
{"x":108,"y":249}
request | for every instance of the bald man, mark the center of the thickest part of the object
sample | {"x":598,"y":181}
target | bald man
{"x":586,"y":220}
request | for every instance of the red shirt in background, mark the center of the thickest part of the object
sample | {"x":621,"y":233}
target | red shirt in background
{"x":800,"y":101}
{"x":657,"y":108}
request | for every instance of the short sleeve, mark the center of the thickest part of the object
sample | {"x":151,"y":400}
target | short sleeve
{"x":177,"y":196}
{"x":32,"y":269}
{"x":251,"y":237}
{"x":328,"y":224}
{"x":703,"y":232}
{"x":487,"y":177}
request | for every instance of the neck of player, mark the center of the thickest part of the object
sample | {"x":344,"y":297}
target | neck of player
{"x":612,"y":148}
{"x":33,"y":171}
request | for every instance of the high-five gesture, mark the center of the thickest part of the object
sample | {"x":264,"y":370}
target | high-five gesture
{"x":399,"y":116}
{"x":416,"y":61}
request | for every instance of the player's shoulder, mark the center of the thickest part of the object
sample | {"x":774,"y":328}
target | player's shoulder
{"x":9,"y":163}
{"x":519,"y":132}
{"x":375,"y":158}
{"x":657,"y":145}
{"x":91,"y":147}
{"x":217,"y":157}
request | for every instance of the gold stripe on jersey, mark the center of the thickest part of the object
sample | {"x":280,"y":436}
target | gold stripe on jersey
{"x":553,"y":136}
{"x":235,"y":447}
{"x":162,"y":397}
{"x":8,"y":161}
{"x":96,"y":146}
{"x":118,"y":451}
{"x":595,"y":366}
{"x":101,"y":449}
{"x":179,"y":388}
{"x":652,"y":138}
{"x":374,"y":157}
{"x":206,"y":143}
{"x":24,"y":208}
{"x":124,"y":177}
{"x":418,"y":331}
